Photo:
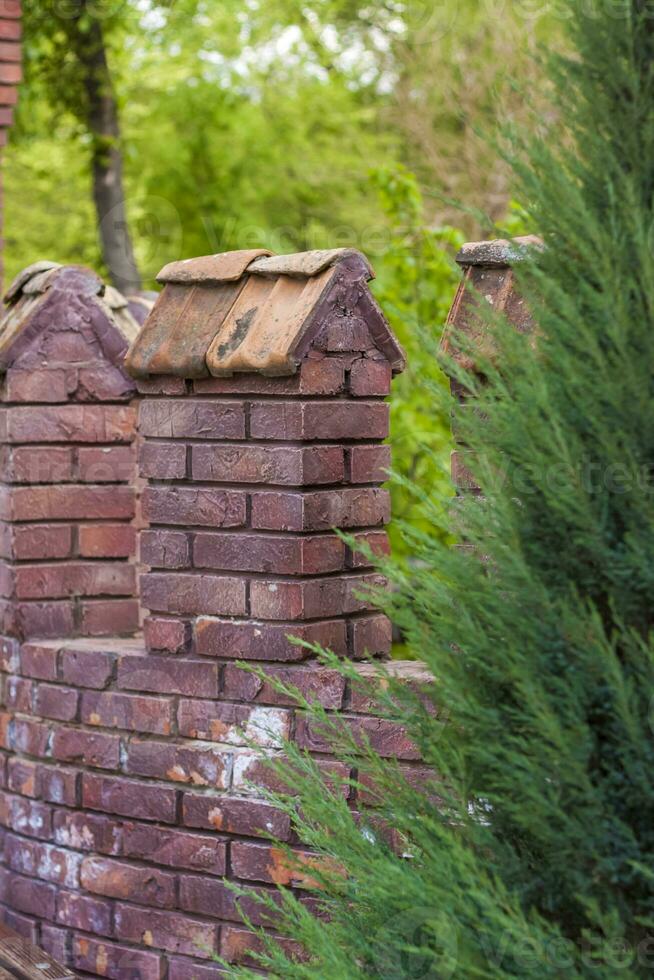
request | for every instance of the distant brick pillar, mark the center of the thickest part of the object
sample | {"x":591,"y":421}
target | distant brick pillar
{"x":10,"y":77}
{"x":67,"y":500}
{"x":488,"y":277}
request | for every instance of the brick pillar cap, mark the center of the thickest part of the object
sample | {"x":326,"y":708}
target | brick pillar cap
{"x":497,"y":253}
{"x":250,"y":311}
{"x":43,"y":290}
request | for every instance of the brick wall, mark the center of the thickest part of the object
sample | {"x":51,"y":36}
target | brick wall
{"x":67,"y":426}
{"x":10,"y":77}
{"x":132,"y":791}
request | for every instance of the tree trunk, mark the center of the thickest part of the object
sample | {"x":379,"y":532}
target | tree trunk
{"x":107,"y":160}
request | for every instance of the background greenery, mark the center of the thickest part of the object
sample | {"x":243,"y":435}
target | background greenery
{"x":291,"y":125}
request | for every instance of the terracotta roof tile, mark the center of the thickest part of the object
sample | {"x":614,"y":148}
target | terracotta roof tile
{"x":207,"y":321}
{"x":211,"y":269}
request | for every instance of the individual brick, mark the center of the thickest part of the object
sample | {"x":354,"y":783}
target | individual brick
{"x":161,"y":385}
{"x":376,"y":542}
{"x":185,"y":969}
{"x":171,"y":931}
{"x":132,"y":712}
{"x":55,"y":943}
{"x":232,"y":724}
{"x":256,"y":640}
{"x":106,"y":540}
{"x":30,"y":464}
{"x":104,"y":383}
{"x":345,"y":334}
{"x":284,"y":465}
{"x":6,"y":729}
{"x":369,"y":378}
{"x":387,"y":738}
{"x":50,"y":386}
{"x":195,"y":764}
{"x":45,"y":619}
{"x":209,"y":896}
{"x":249,"y":818}
{"x":251,"y":773}
{"x":175,"y":848}
{"x":33,"y":897}
{"x":72,"y":503}
{"x":71,"y":423}
{"x":321,"y":510}
{"x":42,"y":541}
{"x":86,"y":667}
{"x":166,"y":635}
{"x":238,"y":944}
{"x":58,"y":785}
{"x":193,"y":595}
{"x":118,"y":879}
{"x":106,"y":464}
{"x":18,"y":694}
{"x":315,"y":683}
{"x":23,"y":777}
{"x":109,"y":617}
{"x":260,"y":862}
{"x":9,"y":654}
{"x":162,"y":460}
{"x":310,"y":555}
{"x":412,"y":674}
{"x":129,"y":798}
{"x":113,"y":961}
{"x":30,"y":817}
{"x":194,"y":506}
{"x":86,"y":832}
{"x":74,"y":578}
{"x":164,"y":675}
{"x":84,"y":913}
{"x":372,"y":636}
{"x":165,"y":549}
{"x":311,"y":598}
{"x":192,"y":419}
{"x":43,"y":861}
{"x":58,"y":703}
{"x":89,"y":748}
{"x":338,"y":420}
{"x":39,"y":661}
{"x":30,"y":737}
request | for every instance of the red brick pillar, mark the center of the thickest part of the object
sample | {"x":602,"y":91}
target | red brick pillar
{"x":250,"y":471}
{"x":10,"y":77}
{"x":67,"y":544}
{"x":488,"y":277}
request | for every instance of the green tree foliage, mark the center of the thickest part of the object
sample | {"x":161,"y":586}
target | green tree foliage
{"x":531,"y":854}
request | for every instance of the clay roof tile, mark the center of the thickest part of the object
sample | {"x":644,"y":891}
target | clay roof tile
{"x":251,"y":311}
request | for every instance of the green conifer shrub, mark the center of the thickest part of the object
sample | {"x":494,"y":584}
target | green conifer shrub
{"x":531,"y":854}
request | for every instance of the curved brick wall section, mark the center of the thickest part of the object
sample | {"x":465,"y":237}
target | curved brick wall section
{"x":127,"y":800}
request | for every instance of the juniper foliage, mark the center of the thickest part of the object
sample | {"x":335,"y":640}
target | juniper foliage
{"x":536,"y":860}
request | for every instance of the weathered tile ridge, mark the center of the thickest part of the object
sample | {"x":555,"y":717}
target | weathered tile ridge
{"x":249,"y":311}
{"x":500,"y":252}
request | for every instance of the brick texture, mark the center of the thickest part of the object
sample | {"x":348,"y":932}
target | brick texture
{"x":67,"y":514}
{"x":132,"y":764}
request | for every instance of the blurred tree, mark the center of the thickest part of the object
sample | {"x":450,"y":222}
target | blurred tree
{"x":66,"y":47}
